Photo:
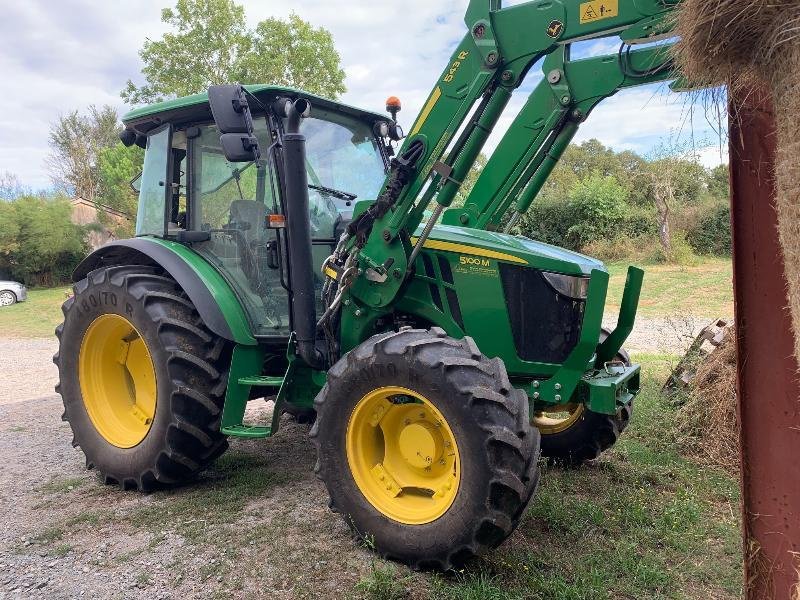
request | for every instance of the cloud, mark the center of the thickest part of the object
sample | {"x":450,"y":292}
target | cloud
{"x":60,"y":56}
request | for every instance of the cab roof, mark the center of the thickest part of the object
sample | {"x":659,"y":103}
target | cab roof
{"x":195,"y":108}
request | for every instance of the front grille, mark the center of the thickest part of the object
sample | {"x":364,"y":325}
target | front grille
{"x":546,"y":325}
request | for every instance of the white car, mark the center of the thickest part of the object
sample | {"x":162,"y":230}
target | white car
{"x":12,"y":292}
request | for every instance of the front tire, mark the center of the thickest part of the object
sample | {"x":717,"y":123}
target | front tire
{"x":425,"y":447}
{"x":572,"y":434}
{"x":141,"y":377}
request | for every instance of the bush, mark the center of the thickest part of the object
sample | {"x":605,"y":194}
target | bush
{"x":640,"y":222}
{"x":680,"y":253}
{"x":623,"y":248}
{"x":600,"y":208}
{"x":549,"y":221}
{"x":712,"y":233}
{"x":39,"y":244}
{"x":596,"y":208}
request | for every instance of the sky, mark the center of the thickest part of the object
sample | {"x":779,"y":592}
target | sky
{"x":56,"y":57}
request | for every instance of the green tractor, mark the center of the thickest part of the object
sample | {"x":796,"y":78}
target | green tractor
{"x":282,"y":250}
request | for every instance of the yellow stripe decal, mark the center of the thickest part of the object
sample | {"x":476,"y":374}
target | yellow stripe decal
{"x":423,"y":116}
{"x":331,"y":273}
{"x":471,"y":250}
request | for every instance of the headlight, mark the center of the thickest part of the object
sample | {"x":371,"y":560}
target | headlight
{"x":570,"y":286}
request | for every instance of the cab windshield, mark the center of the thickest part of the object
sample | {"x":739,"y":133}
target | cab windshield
{"x":343,"y":155}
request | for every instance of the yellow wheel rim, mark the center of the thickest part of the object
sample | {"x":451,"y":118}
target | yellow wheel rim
{"x":118,"y":380}
{"x":403,"y":455}
{"x":558,"y":419}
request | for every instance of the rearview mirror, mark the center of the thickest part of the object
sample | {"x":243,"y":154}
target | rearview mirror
{"x":235,"y":122}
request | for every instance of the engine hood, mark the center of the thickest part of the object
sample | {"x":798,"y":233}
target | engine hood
{"x":509,"y":248}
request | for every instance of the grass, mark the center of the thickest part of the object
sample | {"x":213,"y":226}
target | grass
{"x":705,"y":289}
{"x":60,"y":485}
{"x":643,"y":522}
{"x":35,"y":318}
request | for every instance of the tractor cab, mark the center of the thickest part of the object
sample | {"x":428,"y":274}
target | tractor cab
{"x":233,"y":213}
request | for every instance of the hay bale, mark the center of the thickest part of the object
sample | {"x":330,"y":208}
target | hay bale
{"x":707,"y":425}
{"x":739,"y":43}
{"x":727,"y":42}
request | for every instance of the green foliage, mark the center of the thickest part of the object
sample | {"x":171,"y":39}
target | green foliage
{"x":596,"y":208}
{"x":719,"y":183}
{"x":76,"y":141}
{"x":680,"y":252}
{"x":469,"y":181}
{"x":472,"y":586}
{"x":117,"y":166}
{"x":210,"y":44}
{"x":383,"y":583}
{"x":39,"y":245}
{"x":688,"y":177}
{"x":581,"y":161}
{"x":712,"y":233}
{"x":599,"y":204}
{"x":549,"y":221}
{"x":605,"y":203}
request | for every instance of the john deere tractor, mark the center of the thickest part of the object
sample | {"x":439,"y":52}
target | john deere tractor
{"x":293,"y":247}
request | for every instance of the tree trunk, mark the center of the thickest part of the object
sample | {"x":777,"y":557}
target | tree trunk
{"x":663,"y":232}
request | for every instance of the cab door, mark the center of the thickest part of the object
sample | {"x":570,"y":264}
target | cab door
{"x":231,"y":202}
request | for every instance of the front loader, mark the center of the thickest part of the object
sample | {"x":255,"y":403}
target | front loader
{"x":281,"y":251}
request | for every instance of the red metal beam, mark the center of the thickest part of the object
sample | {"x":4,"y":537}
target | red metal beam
{"x":769,"y":392}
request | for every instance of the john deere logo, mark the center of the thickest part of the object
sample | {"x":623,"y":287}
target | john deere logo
{"x":555,"y":29}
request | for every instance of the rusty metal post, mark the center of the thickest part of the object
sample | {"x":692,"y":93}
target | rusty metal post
{"x":769,"y":392}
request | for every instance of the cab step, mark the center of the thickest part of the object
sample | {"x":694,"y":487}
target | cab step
{"x":245,"y":361}
{"x":248,"y":431}
{"x":262,"y":381}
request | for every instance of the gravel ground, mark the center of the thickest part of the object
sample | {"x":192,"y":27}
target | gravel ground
{"x":64,"y":535}
{"x":27,"y":371}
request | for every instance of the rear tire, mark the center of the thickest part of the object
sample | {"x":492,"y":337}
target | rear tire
{"x":485,"y":417}
{"x":188,"y":362}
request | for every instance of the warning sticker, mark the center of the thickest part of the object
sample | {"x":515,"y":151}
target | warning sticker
{"x":598,"y":9}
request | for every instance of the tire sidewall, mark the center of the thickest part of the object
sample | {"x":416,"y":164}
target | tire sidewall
{"x":97,"y":299}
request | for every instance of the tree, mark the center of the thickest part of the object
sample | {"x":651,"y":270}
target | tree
{"x":469,"y":181}
{"x":117,"y":166}
{"x":10,"y":186}
{"x":582,"y":160}
{"x":719,"y":183}
{"x":210,"y":44}
{"x":662,"y":191}
{"x":39,"y":244}
{"x":76,"y":142}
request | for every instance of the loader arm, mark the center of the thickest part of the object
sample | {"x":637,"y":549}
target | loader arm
{"x":501,"y":46}
{"x":541,"y":132}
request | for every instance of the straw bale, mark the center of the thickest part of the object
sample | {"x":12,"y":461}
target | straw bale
{"x":738,"y":43}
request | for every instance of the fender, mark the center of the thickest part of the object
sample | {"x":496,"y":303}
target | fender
{"x":207,"y":289}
